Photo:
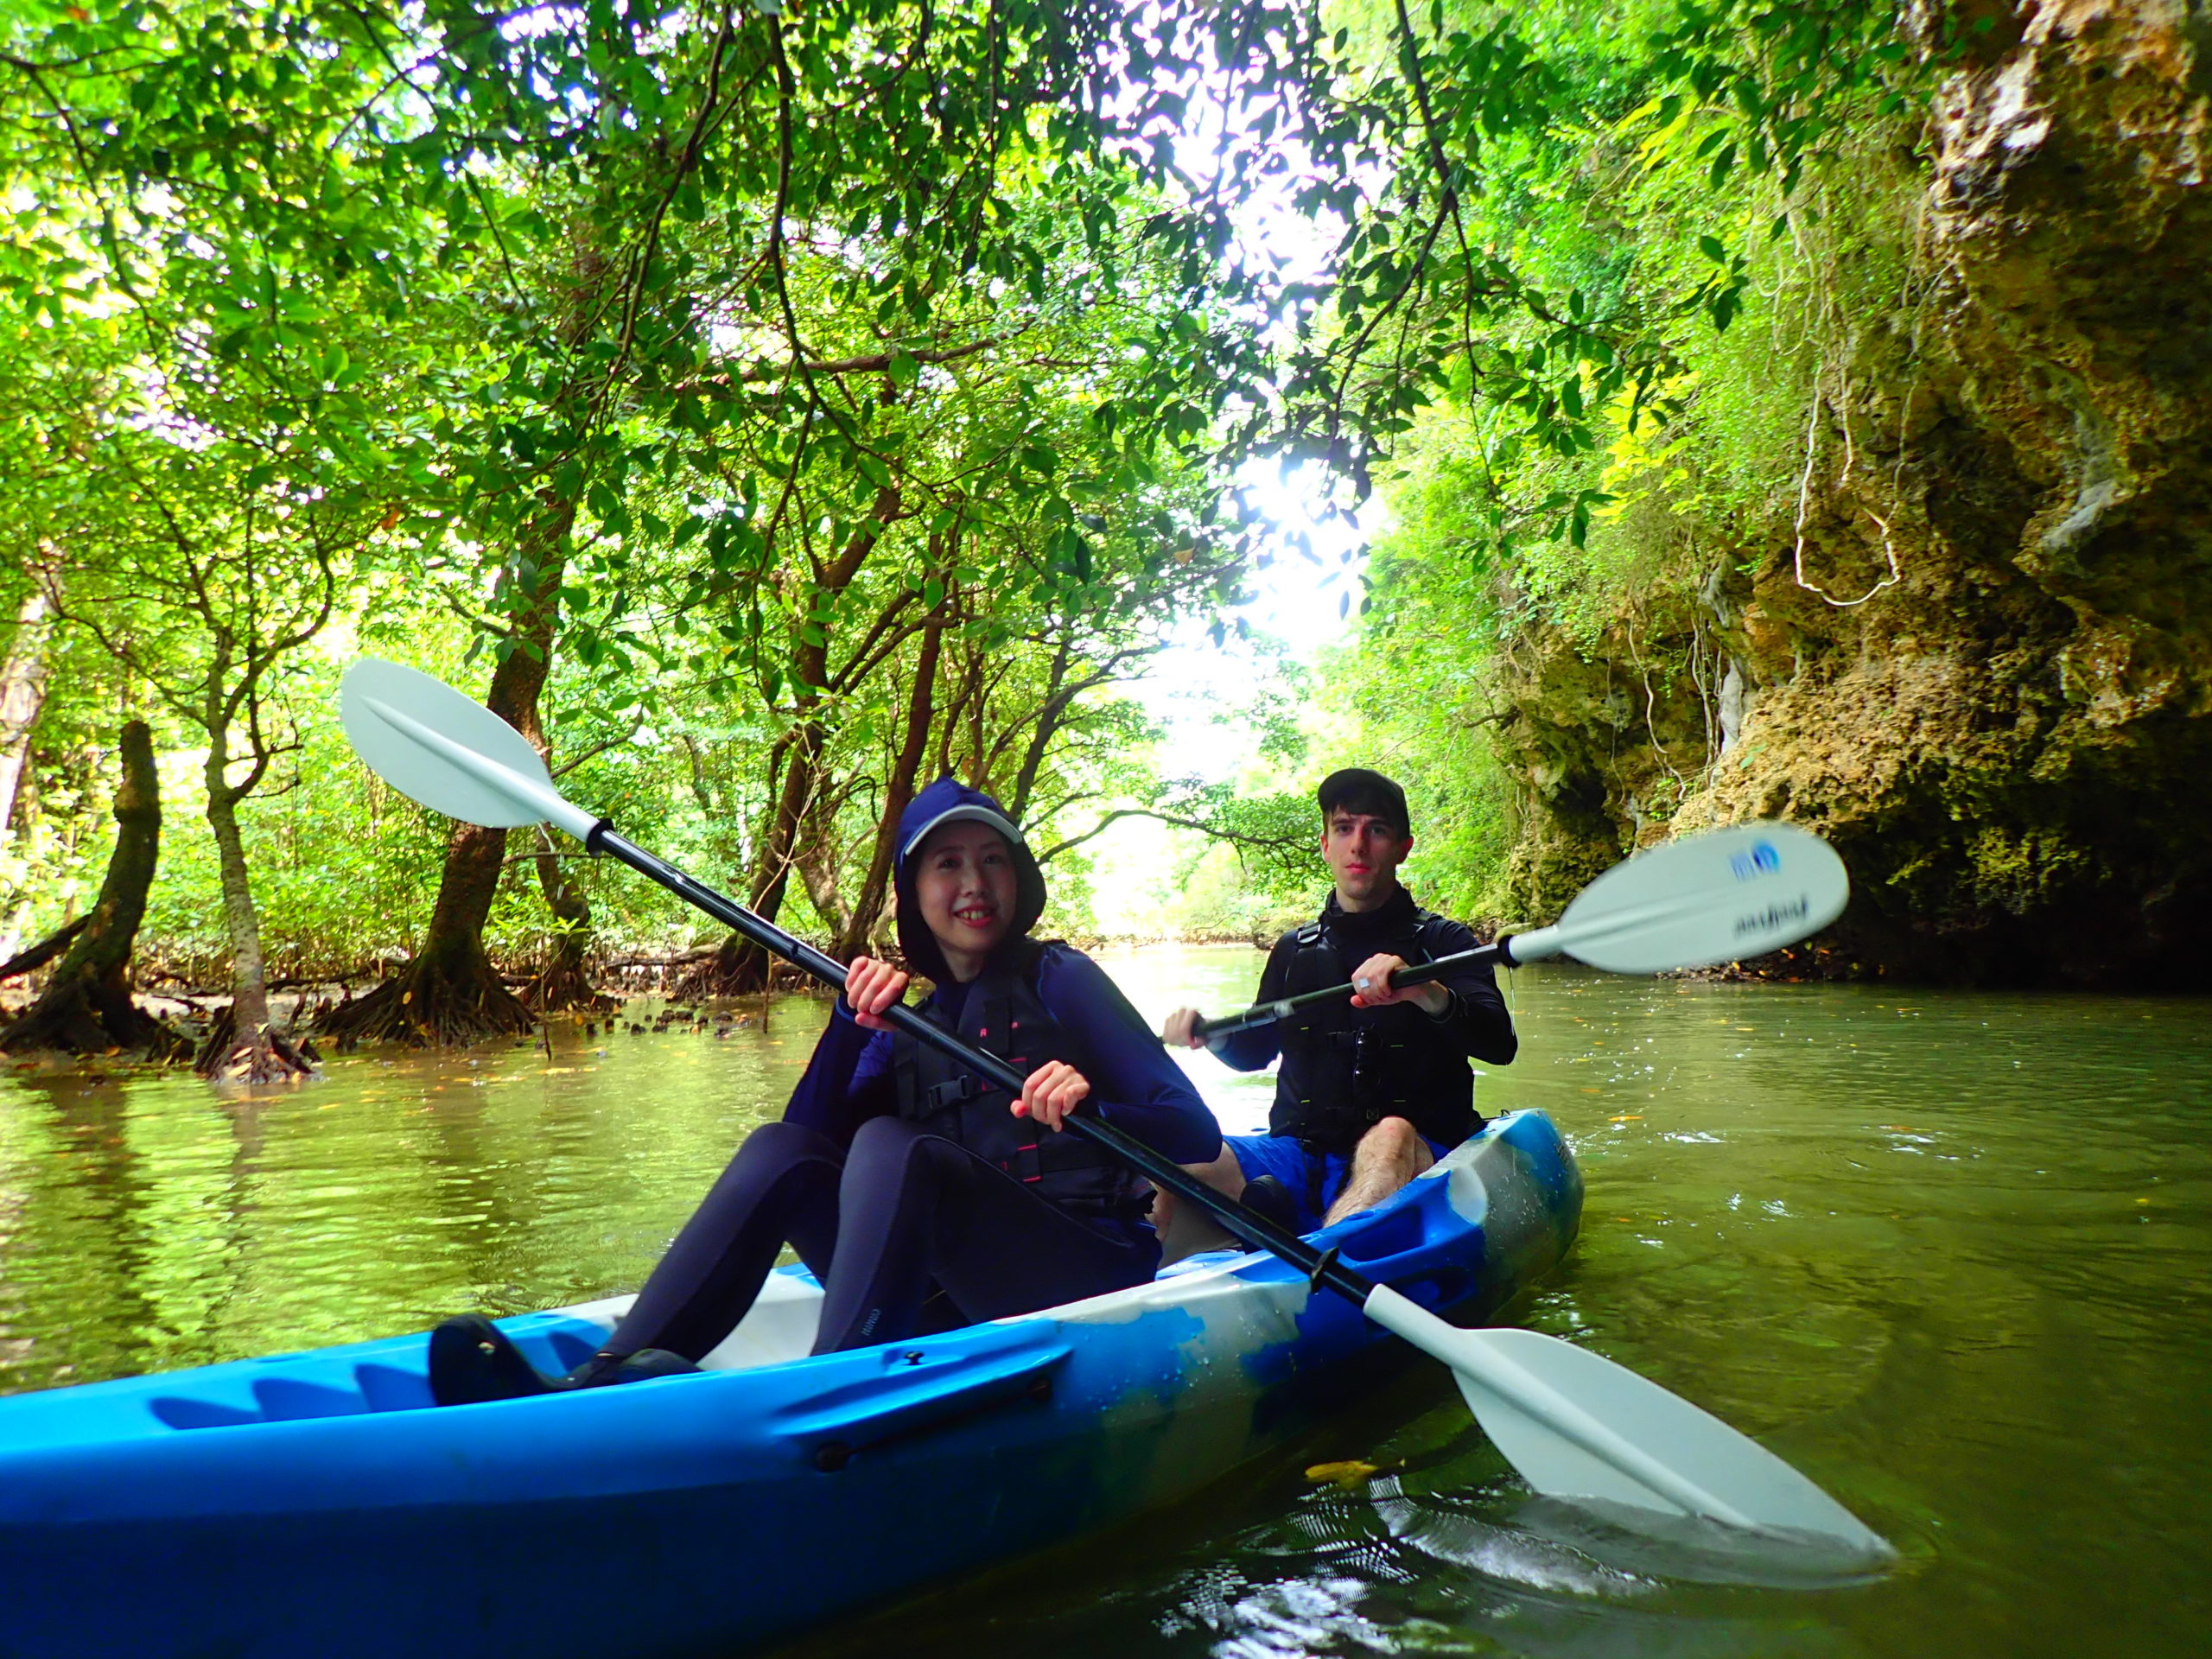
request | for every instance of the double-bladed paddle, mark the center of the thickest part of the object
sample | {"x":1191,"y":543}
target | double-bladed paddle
{"x":1719,"y":897}
{"x":1576,"y":1425}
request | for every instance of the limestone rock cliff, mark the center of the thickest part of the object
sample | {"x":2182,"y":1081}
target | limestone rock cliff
{"x":1977,"y":652}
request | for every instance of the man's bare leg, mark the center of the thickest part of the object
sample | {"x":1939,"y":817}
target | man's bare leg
{"x":1388,"y":1156}
{"x":1185,"y":1230}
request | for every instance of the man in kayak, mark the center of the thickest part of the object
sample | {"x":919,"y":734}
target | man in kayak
{"x":1375,"y":1088}
{"x":920,"y":1196}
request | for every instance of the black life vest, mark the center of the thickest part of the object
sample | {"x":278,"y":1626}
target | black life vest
{"x":1345,"y":1069}
{"x":1005,"y":1016}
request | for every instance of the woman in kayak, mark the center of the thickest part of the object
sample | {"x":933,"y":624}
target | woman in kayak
{"x":919,"y":1195}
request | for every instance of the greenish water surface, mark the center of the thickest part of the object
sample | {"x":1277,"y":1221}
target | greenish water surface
{"x":1950,"y":1254}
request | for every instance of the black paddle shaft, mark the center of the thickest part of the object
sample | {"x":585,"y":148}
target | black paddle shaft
{"x":1321,"y":1266}
{"x":1417,"y":973}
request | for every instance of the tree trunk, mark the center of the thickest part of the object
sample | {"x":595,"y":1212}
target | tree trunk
{"x":565,"y":984}
{"x":702,"y":792}
{"x":451,"y":994}
{"x":87,"y":1007}
{"x":1049,"y":709}
{"x":243,"y":1046}
{"x":772,"y":864}
{"x":22,"y":677}
{"x":966,"y":690}
{"x":818,"y":859}
{"x":897,"y":794}
{"x":740,"y":967}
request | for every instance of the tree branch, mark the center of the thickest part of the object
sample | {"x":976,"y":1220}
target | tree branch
{"x":876,"y":362}
{"x":1176,"y":820}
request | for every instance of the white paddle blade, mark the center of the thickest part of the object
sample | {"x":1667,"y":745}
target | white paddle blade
{"x":447,"y":751}
{"x":1576,"y":1426}
{"x":1720,"y":897}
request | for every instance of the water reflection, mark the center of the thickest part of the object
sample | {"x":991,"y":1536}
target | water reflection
{"x":148,"y":1222}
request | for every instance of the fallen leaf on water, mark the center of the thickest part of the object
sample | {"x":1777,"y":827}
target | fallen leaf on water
{"x":1347,"y":1475}
{"x":1627,"y":1117}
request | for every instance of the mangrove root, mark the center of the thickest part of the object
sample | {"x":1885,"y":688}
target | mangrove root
{"x":738,"y":968}
{"x":564,"y":987}
{"x":87,"y":1007}
{"x":427,"y":1006}
{"x":268,"y":1056}
{"x":79,"y":1015}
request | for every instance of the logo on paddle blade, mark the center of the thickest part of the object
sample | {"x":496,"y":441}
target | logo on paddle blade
{"x":1762,"y":859}
{"x":1765,"y":921}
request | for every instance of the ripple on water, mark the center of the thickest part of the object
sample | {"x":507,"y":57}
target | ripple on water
{"x":1506,"y":1555}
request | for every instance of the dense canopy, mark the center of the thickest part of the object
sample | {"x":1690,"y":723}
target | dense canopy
{"x":767,"y":408}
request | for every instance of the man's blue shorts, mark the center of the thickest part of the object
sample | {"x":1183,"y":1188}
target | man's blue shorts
{"x":1281,"y":1156}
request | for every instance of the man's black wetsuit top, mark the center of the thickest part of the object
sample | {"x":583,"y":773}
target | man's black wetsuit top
{"x":1345,"y":1069}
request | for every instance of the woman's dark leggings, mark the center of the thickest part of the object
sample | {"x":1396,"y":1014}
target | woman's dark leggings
{"x":903,"y":1213}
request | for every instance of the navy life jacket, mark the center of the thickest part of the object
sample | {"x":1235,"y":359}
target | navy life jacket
{"x":1004,"y":1015}
{"x":1345,"y":1069}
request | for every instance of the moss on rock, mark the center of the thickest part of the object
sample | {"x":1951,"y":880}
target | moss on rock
{"x":1976,"y":652}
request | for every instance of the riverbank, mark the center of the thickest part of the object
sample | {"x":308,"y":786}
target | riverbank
{"x":170,"y":992}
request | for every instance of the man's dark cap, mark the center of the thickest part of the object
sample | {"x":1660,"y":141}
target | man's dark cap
{"x":1357,"y":790}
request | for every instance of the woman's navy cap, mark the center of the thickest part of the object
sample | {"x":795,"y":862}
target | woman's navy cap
{"x":977,"y":812}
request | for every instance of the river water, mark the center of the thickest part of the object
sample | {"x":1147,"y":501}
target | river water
{"x":1950,"y":1254}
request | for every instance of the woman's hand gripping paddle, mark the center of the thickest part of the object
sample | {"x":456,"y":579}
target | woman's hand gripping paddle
{"x":1719,"y":897}
{"x":1574,"y":1425}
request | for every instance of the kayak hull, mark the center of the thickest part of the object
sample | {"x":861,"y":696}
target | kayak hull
{"x":316,"y":1504}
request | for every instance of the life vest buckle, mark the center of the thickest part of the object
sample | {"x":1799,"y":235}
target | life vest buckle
{"x":953,"y":1093}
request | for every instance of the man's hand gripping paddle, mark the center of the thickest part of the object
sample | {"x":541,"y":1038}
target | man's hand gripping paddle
{"x":1574,"y":1424}
{"x":1735,"y":893}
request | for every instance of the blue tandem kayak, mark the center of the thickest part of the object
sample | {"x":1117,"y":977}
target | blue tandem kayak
{"x":317,"y":1506}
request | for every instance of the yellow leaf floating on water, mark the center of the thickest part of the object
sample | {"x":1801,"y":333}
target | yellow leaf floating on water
{"x":1347,"y":1475}
{"x":1627,"y":1117}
